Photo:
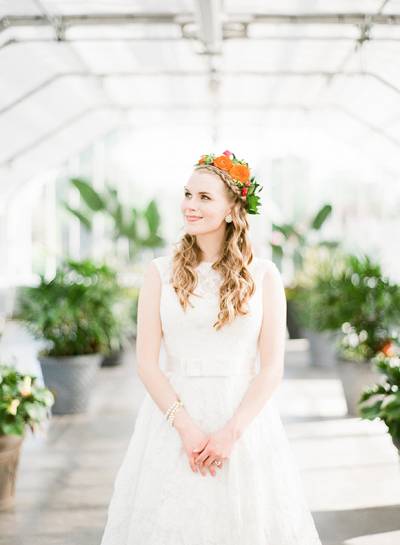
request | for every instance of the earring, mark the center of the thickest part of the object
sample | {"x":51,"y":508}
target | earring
{"x":228,"y":218}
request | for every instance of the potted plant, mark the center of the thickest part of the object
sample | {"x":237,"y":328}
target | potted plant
{"x":314,"y":303}
{"x":23,"y":402}
{"x":141,"y":228}
{"x":289,"y":241}
{"x":350,"y":296}
{"x":382,"y":400}
{"x":74,"y":313}
{"x":369,"y":304}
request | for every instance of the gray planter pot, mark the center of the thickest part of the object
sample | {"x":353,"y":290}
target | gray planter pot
{"x":292,"y":323}
{"x":322,"y":347}
{"x":113,"y":359}
{"x":355,"y":376}
{"x":70,"y":378}
{"x":396,"y":443}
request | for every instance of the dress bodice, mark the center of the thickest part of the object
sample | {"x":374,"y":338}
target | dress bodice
{"x":192,"y":345}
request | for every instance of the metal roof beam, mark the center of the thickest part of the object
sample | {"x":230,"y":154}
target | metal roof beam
{"x":105,"y":39}
{"x":209,"y":25}
{"x":184,"y":73}
{"x":65,"y":21}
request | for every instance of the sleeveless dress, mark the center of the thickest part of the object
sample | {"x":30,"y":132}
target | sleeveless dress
{"x":257,"y":497}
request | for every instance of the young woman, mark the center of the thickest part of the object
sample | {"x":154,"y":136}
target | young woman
{"x":209,"y":462}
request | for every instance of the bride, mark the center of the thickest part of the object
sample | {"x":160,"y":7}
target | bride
{"x":209,"y":462}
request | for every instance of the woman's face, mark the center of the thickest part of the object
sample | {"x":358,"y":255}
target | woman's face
{"x":205,"y":203}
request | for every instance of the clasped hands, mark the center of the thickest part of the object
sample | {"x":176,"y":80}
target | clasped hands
{"x":204,"y":449}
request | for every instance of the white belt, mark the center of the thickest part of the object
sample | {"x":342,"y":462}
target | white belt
{"x":198,"y":367}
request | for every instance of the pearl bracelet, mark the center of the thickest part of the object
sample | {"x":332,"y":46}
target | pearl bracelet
{"x":170,"y":414}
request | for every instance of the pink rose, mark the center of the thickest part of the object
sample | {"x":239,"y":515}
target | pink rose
{"x":228,"y":153}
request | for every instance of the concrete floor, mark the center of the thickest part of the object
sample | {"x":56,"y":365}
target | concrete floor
{"x":349,"y":466}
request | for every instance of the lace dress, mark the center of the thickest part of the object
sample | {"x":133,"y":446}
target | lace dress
{"x":257,"y":497}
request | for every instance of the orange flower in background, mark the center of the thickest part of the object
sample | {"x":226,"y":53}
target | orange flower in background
{"x":223,"y":162}
{"x":240,"y":172}
{"x":388,"y":349}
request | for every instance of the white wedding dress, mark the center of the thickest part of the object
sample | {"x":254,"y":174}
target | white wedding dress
{"x":257,"y":497}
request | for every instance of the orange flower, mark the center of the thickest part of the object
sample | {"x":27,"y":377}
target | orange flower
{"x":387,"y":349}
{"x":223,"y":162}
{"x":240,"y":172}
{"x":202,"y":159}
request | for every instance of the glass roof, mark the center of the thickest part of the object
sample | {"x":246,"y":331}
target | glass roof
{"x":72,"y":71}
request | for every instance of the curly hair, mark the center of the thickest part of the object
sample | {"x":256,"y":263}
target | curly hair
{"x":237,"y":283}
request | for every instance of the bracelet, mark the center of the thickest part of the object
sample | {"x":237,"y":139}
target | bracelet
{"x":171,"y":408}
{"x":170,"y":414}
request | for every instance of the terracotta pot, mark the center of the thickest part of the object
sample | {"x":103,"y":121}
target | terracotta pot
{"x":10,"y":448}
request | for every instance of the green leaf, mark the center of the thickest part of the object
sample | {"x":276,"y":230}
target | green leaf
{"x":286,"y":229}
{"x":84,"y":219}
{"x":89,"y":195}
{"x":152,"y":216}
{"x":321,"y":217}
{"x":17,"y":427}
{"x":370,"y":412}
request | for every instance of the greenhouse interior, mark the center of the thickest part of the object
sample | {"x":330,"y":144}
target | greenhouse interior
{"x":106,"y":108}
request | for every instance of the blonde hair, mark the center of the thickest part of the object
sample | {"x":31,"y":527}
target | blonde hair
{"x":237,"y":283}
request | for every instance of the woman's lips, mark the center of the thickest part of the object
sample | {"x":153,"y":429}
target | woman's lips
{"x":193,"y":218}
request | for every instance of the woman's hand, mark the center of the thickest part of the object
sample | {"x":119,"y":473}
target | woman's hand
{"x":194,"y":438}
{"x":218,"y":447}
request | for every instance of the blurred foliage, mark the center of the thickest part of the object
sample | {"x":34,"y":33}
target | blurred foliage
{"x":382,"y":401}
{"x":127,"y":222}
{"x":77,"y":311}
{"x":349,"y":293}
{"x":291,"y":240}
{"x":23,"y":402}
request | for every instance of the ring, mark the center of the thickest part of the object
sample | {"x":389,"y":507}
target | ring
{"x":217,"y":462}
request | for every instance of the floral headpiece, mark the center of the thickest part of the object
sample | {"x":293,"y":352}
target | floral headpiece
{"x":239,"y":171}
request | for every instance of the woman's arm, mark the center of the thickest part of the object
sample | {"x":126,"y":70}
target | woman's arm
{"x":272,"y":350}
{"x":148,"y":343}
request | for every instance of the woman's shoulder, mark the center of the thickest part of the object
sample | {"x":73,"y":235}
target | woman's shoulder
{"x":163,"y":264}
{"x":263,"y":262}
{"x":264,"y":265}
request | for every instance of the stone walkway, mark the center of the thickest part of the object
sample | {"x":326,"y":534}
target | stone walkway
{"x":350,"y":470}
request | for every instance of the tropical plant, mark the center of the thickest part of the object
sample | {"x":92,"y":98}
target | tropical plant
{"x":291,"y":239}
{"x":127,"y":222}
{"x":382,"y":401}
{"x":313,"y":294}
{"x":351,"y":294}
{"x":23,"y":402}
{"x":75,"y":311}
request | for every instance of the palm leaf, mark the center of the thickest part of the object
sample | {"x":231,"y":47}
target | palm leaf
{"x":321,"y":217}
{"x":84,"y":219}
{"x":89,"y":195}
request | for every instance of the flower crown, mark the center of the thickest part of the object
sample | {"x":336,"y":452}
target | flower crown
{"x":240,"y":173}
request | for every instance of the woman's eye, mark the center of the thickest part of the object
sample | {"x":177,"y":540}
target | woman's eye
{"x":208,"y":198}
